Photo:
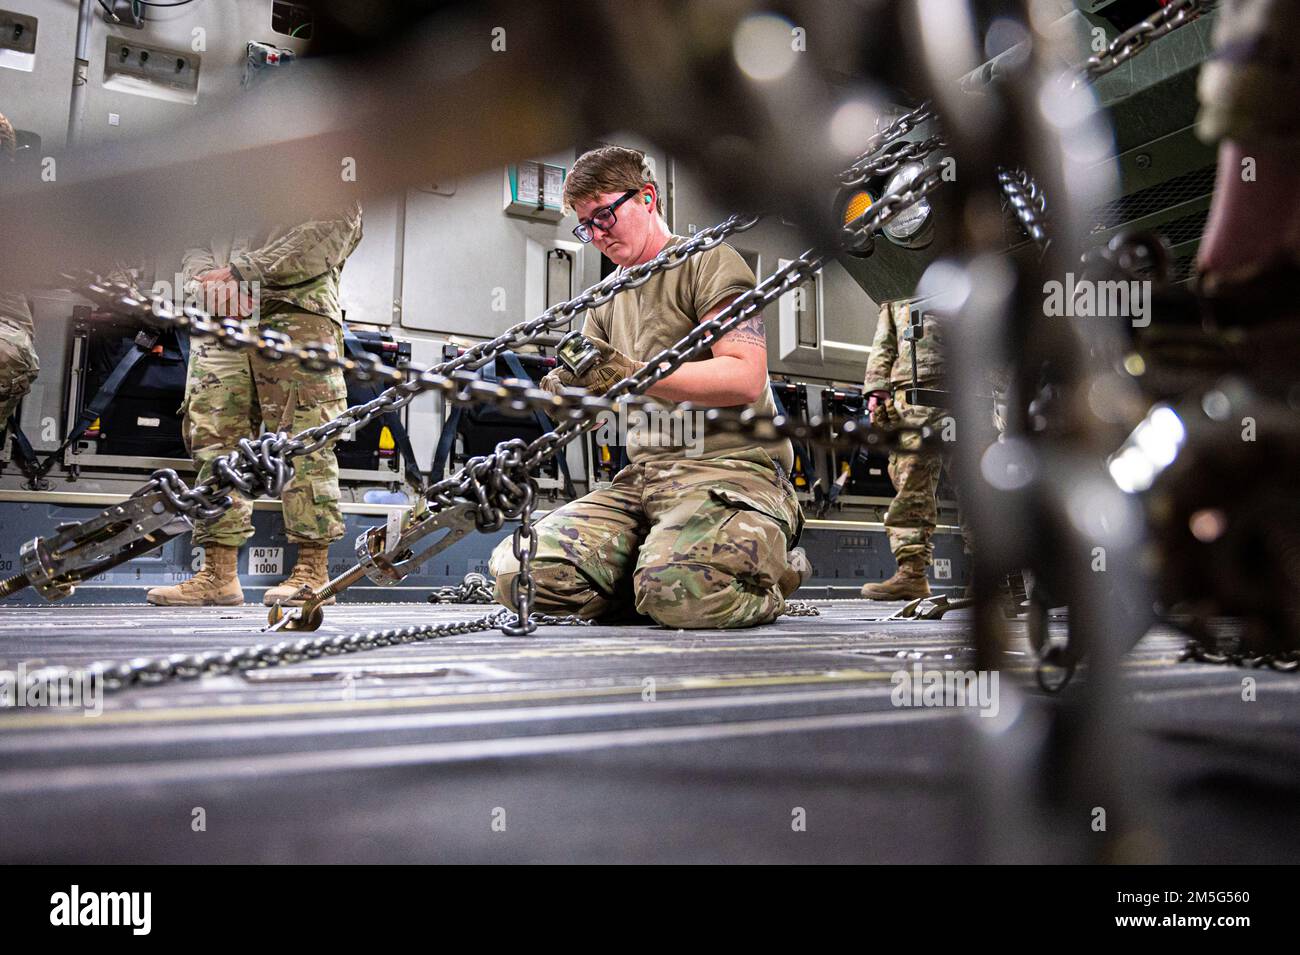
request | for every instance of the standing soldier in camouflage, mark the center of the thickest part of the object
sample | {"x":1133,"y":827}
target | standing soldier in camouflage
{"x":689,"y":536}
{"x":289,"y":282}
{"x":914,"y":470}
{"x":18,"y":363}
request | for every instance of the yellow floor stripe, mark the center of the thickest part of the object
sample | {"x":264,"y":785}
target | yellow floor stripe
{"x":651,"y":649}
{"x":46,"y":720}
{"x":237,"y":710}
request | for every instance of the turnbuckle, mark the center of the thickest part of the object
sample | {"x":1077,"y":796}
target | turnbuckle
{"x":77,"y":552}
{"x":387,"y":565}
{"x":384,"y":565}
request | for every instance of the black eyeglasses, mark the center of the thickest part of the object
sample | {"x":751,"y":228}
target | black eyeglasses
{"x":602,"y":219}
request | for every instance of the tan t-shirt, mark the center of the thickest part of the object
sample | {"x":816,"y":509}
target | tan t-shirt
{"x":642,"y":322}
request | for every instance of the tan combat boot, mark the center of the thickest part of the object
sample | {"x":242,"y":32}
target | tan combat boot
{"x":908,"y":584}
{"x":216,"y":585}
{"x":797,"y":571}
{"x":311,"y":569}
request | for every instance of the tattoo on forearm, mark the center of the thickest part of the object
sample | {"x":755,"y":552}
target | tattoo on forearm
{"x":750,"y":332}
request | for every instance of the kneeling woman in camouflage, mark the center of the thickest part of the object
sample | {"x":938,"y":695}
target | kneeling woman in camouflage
{"x":693,"y":535}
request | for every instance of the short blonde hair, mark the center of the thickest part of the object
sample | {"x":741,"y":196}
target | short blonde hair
{"x":609,"y":169}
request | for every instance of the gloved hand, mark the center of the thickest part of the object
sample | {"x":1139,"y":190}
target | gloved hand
{"x":884,"y":414}
{"x":612,"y":367}
{"x":222,"y":294}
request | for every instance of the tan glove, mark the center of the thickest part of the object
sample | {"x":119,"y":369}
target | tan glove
{"x":884,"y":414}
{"x":612,"y":368}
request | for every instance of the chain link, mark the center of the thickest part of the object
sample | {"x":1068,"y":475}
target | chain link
{"x":158,"y":670}
{"x":800,"y":608}
{"x":147,"y":671}
{"x":554,"y":620}
{"x":1171,"y":16}
{"x":474,"y":589}
{"x":884,"y":148}
{"x":894,"y":157}
{"x":523,"y":589}
{"x":1027,"y":201}
{"x":1285,"y":661}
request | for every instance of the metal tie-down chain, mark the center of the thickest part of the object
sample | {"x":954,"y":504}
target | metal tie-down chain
{"x":1131,"y":42}
{"x":523,"y":589}
{"x":800,"y":608}
{"x":1198,"y":650}
{"x":474,"y":589}
{"x":885,"y":150}
{"x":1027,"y":201}
{"x":1026,"y":198}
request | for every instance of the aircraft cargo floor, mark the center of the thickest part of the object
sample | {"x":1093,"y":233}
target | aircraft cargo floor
{"x":583,"y":744}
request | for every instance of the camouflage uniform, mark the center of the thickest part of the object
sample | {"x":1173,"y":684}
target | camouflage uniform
{"x":232,"y":394}
{"x":18,"y":363}
{"x":914,"y":471}
{"x":692,"y":542}
{"x":8,"y":139}
{"x":1250,"y":87}
{"x":689,"y":543}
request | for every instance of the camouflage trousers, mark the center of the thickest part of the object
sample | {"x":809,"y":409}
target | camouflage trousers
{"x":689,"y":543}
{"x":914,"y":471}
{"x":18,"y":368}
{"x":233,"y":394}
{"x":1249,"y":89}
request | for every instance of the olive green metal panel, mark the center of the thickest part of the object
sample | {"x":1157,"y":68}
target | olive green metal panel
{"x":1166,"y":173}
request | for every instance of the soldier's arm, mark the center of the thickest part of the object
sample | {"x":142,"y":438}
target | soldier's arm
{"x":737,"y":372}
{"x":213,"y":287}
{"x":735,"y":375}
{"x":884,"y":350}
{"x":194,"y":263}
{"x":304,"y":253}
